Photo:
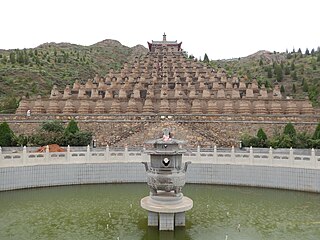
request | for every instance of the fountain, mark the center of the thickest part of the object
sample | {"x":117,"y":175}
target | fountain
{"x":166,"y":204}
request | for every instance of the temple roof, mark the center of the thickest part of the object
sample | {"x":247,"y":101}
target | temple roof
{"x":164,"y":42}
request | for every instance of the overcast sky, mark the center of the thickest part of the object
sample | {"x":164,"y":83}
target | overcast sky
{"x":222,"y":29}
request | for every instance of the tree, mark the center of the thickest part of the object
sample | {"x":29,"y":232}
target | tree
{"x":290,"y":130}
{"x":262,"y":138}
{"x":72,"y":127}
{"x":12,"y":57}
{"x":278,"y":72}
{"x":282,"y":90}
{"x":294,"y":75}
{"x":294,"y":90}
{"x":292,"y":66}
{"x":312,"y":52}
{"x":316,"y":134}
{"x":307,"y":52}
{"x":261,"y":134}
{"x":6,"y":135}
{"x":260,"y":62}
{"x":269,"y":72}
{"x":4,"y":60}
{"x":286,"y":70}
{"x":305,"y":86}
{"x":206,"y":58}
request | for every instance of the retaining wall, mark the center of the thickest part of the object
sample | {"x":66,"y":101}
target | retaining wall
{"x":285,"y":171}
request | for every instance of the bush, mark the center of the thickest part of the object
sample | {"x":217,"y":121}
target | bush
{"x":72,"y":127}
{"x":302,"y":140}
{"x":45,"y":138}
{"x":289,"y":130}
{"x":52,"y":126}
{"x":9,"y":105}
{"x":314,"y":143}
{"x":248,"y":141}
{"x":77,"y":139}
{"x":22,"y":140}
{"x":262,"y":138}
{"x":281,"y":141}
{"x":7,"y":137}
{"x":316,"y":134}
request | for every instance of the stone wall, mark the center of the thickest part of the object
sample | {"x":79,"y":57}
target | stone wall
{"x":68,"y":174}
{"x":203,"y":130}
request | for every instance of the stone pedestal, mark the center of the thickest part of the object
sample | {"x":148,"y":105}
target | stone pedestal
{"x":166,"y":211}
{"x":153,"y":219}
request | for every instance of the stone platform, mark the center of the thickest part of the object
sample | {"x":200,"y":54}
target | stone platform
{"x":166,"y":211}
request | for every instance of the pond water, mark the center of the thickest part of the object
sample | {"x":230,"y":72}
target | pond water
{"x":112,"y":211}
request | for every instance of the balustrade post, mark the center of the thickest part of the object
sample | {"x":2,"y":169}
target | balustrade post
{"x":24,"y":155}
{"x":107,"y":154}
{"x":251,"y":155}
{"x":126,"y":155}
{"x":0,"y":155}
{"x":88,"y":154}
{"x":47,"y":154}
{"x":233,"y":157}
{"x":313,"y":158}
{"x":291,"y":159}
{"x":270,"y":156}
{"x":198,"y":153}
{"x":215,"y":155}
{"x":68,"y":154}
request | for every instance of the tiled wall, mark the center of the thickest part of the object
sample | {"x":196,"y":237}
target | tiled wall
{"x":67,"y":174}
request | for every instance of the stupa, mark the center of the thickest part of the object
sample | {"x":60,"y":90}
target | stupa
{"x":166,"y":205}
{"x":166,"y":81}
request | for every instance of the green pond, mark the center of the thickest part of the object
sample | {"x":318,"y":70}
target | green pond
{"x":112,"y":211}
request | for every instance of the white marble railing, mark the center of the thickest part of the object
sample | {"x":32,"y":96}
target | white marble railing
{"x":227,"y":156}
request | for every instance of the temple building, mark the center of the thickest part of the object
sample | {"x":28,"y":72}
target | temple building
{"x":165,"y":81}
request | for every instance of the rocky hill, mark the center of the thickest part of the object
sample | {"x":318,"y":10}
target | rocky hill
{"x":34,"y":71}
{"x":297,"y":73}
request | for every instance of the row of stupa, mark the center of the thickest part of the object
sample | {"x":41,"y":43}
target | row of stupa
{"x":166,"y":81}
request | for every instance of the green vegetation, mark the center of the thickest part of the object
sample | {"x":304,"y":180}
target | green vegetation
{"x":289,"y":138}
{"x":7,"y":137}
{"x":32,"y":72}
{"x":298,"y":73}
{"x":206,"y":58}
{"x":50,"y":132}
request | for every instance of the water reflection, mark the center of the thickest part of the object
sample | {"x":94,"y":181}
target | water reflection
{"x":154,"y":233}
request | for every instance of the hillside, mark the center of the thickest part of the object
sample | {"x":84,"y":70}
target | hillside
{"x":297,"y":73}
{"x":34,"y":71}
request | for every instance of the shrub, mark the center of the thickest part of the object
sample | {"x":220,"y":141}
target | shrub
{"x":289,"y":130}
{"x":302,"y":140}
{"x":248,"y":141}
{"x":316,"y":134}
{"x":52,"y":126}
{"x":77,"y":139}
{"x":72,"y":127}
{"x":7,"y":136}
